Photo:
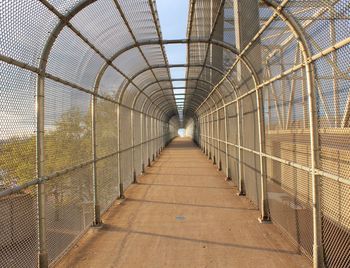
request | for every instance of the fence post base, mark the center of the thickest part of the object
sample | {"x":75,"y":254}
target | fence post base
{"x":121,"y":187}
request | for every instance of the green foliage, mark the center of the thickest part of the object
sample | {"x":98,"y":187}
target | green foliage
{"x":69,"y":142}
{"x":17,"y":156}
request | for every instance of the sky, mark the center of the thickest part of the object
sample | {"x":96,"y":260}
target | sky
{"x":173,"y":22}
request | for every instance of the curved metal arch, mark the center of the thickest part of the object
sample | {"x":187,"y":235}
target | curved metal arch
{"x":195,"y":102}
{"x":209,"y":107}
{"x":318,"y":258}
{"x":186,"y":94}
{"x":234,"y":91}
{"x":199,"y":88}
{"x":165,"y":42}
{"x":250,"y":68}
{"x":181,"y":79}
{"x":170,"y":66}
{"x":191,"y":115}
{"x":160,"y":66}
{"x":64,"y":20}
{"x":167,"y":66}
{"x":167,"y":112}
{"x":204,"y":81}
{"x":172,"y":109}
{"x":190,"y":110}
{"x":227,"y":95}
{"x":174,"y":66}
{"x":190,"y":79}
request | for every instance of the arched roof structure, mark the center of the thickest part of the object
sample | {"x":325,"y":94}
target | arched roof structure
{"x":259,"y":73}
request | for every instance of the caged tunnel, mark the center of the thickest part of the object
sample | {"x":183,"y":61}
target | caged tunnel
{"x":91,"y":98}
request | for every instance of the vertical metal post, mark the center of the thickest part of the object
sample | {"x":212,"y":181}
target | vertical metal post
{"x":245,"y":13}
{"x":132,"y":146}
{"x":227,"y":171}
{"x":157,"y":138}
{"x":241,"y":191}
{"x":218,"y":140}
{"x":265,"y":212}
{"x":304,"y":103}
{"x":283,"y":90}
{"x":202,"y":130}
{"x":318,"y":258}
{"x":147,"y":130}
{"x":204,"y":138}
{"x":42,"y":224}
{"x":208,"y":137}
{"x":97,"y":212}
{"x":152,"y":138}
{"x":142,"y":153}
{"x":121,"y":186}
{"x":212,"y":137}
{"x":201,"y":133}
{"x":269,"y":112}
{"x":333,"y":35}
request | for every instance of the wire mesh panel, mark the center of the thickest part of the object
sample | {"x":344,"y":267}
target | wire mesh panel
{"x":125,"y":146}
{"x":232,"y":138}
{"x":69,"y":209}
{"x":106,"y":128}
{"x":335,"y":200}
{"x":18,"y":125}
{"x":67,"y":144}
{"x":18,"y":229}
{"x":332,"y":85}
{"x":290,"y":207}
{"x":110,"y":38}
{"x":222,"y":137}
{"x":144,"y":140}
{"x":250,"y":140}
{"x":107,"y":181}
{"x":74,"y":60}
{"x":67,"y":127}
{"x":110,"y":83}
{"x":25,"y":27}
{"x":137,"y":142}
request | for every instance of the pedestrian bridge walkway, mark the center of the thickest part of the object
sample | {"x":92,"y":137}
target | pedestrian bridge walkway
{"x":93,"y":91}
{"x":182,"y":213}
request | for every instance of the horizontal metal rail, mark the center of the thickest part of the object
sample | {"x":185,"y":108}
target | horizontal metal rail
{"x":283,"y":161}
{"x":285,"y":73}
{"x":56,"y":174}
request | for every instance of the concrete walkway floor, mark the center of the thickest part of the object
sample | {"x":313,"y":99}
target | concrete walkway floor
{"x":183,"y":214}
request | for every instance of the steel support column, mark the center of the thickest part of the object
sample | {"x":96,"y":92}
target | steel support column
{"x":40,"y":158}
{"x":120,"y":177}
{"x":97,"y":212}
{"x":241,"y":190}
{"x":227,"y":171}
